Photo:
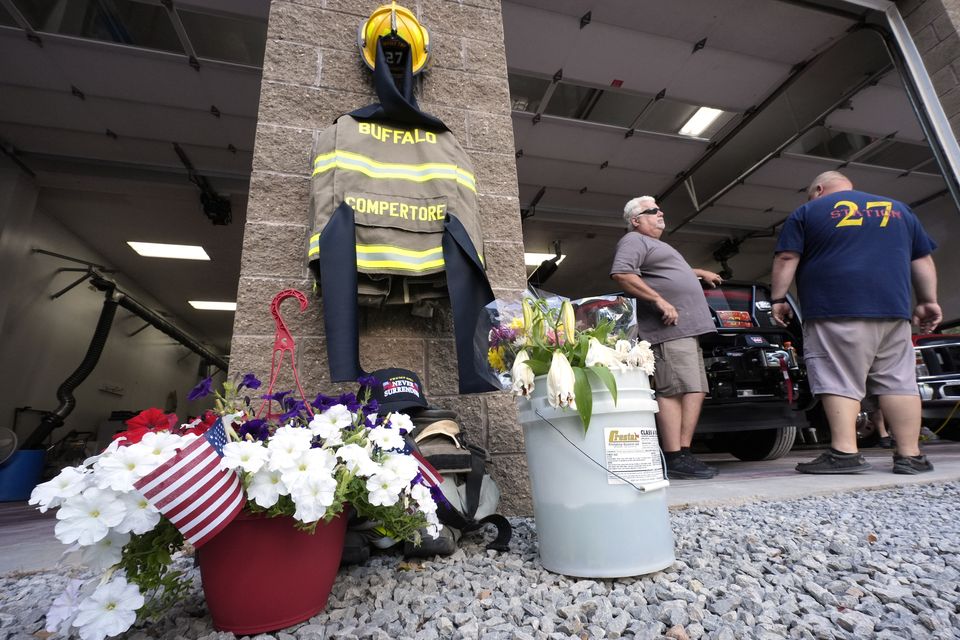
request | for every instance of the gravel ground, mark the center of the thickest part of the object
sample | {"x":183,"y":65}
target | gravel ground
{"x":873,"y":564}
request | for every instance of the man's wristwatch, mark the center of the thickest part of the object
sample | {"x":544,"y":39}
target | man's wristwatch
{"x":778,"y":300}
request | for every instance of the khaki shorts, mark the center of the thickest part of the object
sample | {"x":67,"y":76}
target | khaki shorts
{"x":856,"y":357}
{"x":679,"y":367}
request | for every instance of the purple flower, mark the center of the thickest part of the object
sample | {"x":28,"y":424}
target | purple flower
{"x":250,"y":382}
{"x":371,"y":408}
{"x":350,"y":401}
{"x":278,"y":396}
{"x":321,"y":403}
{"x":201,"y":390}
{"x":257,"y":428}
{"x":293,"y":409}
{"x":367,"y":382}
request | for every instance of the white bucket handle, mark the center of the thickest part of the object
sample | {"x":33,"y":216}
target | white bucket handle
{"x":653,"y":486}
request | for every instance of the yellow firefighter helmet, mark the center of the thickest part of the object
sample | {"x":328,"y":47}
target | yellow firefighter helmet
{"x":394,"y":22}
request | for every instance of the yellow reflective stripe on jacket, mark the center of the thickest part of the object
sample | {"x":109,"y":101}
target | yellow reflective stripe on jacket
{"x":371,"y":168}
{"x":372,"y":256}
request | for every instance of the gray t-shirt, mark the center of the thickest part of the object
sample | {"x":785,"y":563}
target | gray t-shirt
{"x":665,"y":271}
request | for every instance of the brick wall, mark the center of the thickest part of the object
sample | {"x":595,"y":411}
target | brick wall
{"x":934,"y":25}
{"x":312,"y":74}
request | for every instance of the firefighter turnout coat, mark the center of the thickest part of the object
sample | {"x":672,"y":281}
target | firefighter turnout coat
{"x":395,"y":220}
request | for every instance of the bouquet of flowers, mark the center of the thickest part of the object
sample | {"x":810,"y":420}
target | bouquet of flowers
{"x":539,"y":337}
{"x":306,"y":462}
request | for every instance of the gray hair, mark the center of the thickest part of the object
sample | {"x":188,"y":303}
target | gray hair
{"x":633,"y":207}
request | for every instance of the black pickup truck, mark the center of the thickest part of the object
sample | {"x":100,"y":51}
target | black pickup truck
{"x":758,"y":394}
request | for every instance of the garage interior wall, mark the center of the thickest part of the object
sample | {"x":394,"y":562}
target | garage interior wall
{"x":935,"y":28}
{"x":44,"y":340}
{"x":312,"y":74}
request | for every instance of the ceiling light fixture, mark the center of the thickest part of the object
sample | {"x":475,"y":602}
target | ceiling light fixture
{"x":534,"y":259}
{"x":206,"y":305}
{"x":698,"y":123}
{"x":176,"y":251}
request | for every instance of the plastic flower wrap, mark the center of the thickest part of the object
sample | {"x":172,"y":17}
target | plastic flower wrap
{"x":307,"y":461}
{"x":569,"y":342}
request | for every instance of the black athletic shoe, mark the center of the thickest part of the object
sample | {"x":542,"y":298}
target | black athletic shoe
{"x":911,"y":465}
{"x":829,"y":462}
{"x":886,"y":442}
{"x":686,"y":467}
{"x":700,"y":464}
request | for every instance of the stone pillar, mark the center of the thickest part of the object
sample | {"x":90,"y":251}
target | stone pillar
{"x":934,"y":25}
{"x":312,"y":74}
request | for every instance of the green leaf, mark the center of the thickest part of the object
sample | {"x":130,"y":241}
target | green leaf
{"x":539,"y":367}
{"x":606,"y":377}
{"x":583,"y":394}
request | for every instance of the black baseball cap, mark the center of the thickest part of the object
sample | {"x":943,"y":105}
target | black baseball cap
{"x":398,"y":390}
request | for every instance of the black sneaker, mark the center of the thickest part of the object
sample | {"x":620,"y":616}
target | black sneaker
{"x":911,"y":465}
{"x":829,"y":462}
{"x":886,"y":442}
{"x":686,"y":467}
{"x":700,"y":464}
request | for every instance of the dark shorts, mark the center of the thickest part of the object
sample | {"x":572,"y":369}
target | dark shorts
{"x":679,"y":367}
{"x":857,"y":357}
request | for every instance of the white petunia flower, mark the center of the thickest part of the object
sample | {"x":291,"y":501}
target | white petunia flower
{"x":68,"y":483}
{"x":87,"y":518}
{"x":433,"y":524}
{"x":310,"y":463}
{"x":424,"y":498}
{"x":141,"y":516}
{"x":246,"y":455}
{"x":357,"y":460}
{"x":160,"y":445}
{"x":400,"y":421}
{"x":329,"y":424}
{"x":111,"y":610}
{"x":106,"y":552}
{"x":386,"y":438}
{"x":312,"y":496}
{"x":403,"y":466}
{"x":286,"y":446}
{"x":126,"y":465}
{"x":384,"y":489}
{"x":266,"y":487}
{"x":64,"y":608}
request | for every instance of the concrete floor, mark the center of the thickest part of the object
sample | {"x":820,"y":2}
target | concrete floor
{"x":27,"y":542}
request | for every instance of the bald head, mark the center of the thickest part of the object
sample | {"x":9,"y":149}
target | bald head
{"x":828,"y":182}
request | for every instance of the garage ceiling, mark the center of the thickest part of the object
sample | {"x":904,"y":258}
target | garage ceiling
{"x":94,"y":113}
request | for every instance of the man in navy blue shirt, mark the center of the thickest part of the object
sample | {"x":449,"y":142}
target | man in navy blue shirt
{"x":854,"y":256}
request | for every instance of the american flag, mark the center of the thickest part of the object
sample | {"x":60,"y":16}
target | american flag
{"x":430,"y":475}
{"x":192,"y":491}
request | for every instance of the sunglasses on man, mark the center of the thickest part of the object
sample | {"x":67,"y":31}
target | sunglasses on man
{"x":648,"y":212}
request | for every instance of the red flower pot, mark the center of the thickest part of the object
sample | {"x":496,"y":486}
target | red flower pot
{"x":261,"y":574}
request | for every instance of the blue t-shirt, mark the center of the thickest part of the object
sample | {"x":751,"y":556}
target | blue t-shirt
{"x":855,"y":252}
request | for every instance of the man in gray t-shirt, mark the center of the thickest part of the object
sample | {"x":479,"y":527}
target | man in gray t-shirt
{"x":671,"y":313}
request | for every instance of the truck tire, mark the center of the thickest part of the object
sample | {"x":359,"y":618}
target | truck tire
{"x":765,"y":444}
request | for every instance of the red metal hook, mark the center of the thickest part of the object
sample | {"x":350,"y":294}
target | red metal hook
{"x":283,"y":342}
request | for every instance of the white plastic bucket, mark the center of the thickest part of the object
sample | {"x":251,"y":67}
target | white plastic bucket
{"x":589,"y":523}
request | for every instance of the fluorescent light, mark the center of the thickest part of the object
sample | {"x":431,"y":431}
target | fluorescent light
{"x":206,"y":305}
{"x":177,"y":251}
{"x":698,"y":123}
{"x":534,"y":259}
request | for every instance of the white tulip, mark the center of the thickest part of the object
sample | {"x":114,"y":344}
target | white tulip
{"x":560,"y":381}
{"x":522,"y":375}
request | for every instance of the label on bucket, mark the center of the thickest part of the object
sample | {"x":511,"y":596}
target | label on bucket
{"x":633,"y":454}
